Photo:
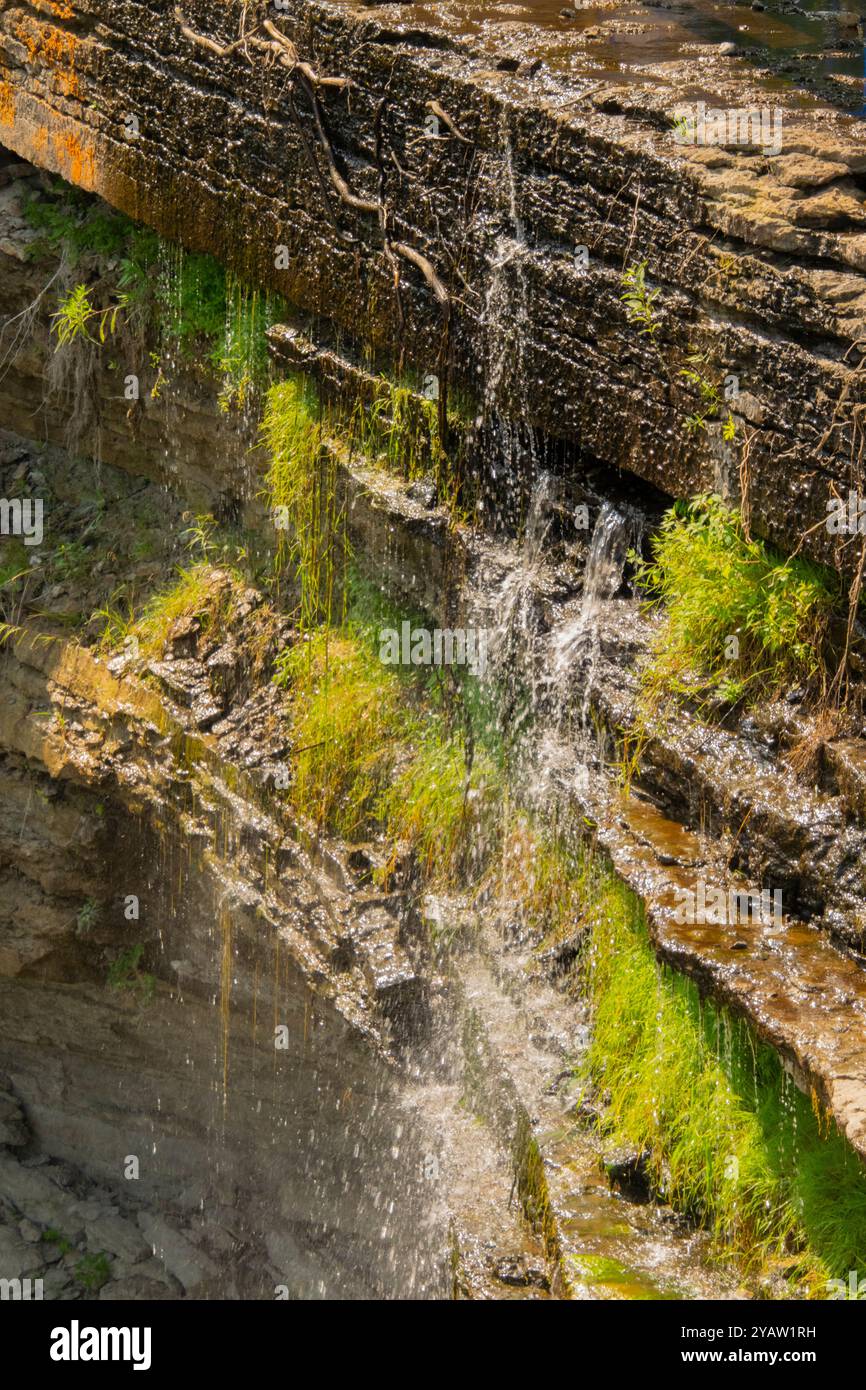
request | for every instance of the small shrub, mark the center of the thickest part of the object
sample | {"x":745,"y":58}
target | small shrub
{"x":78,"y":317}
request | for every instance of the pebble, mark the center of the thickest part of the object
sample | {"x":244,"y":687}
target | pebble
{"x":727,"y":50}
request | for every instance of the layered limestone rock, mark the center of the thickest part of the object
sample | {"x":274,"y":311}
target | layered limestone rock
{"x":432,"y":199}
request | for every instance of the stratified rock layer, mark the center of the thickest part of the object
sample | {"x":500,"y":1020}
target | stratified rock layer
{"x":473,"y":183}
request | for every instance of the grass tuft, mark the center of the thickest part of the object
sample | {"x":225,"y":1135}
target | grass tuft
{"x":375,"y":753}
{"x":348,"y":721}
{"x":729,"y":1138}
{"x":740,"y":622}
{"x":301,"y":487}
{"x":199,"y":591}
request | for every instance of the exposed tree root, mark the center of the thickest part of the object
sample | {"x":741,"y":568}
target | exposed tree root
{"x":211,"y":45}
{"x":442,"y":115}
{"x":294,"y":60}
{"x":279,"y":47}
{"x":426,"y":268}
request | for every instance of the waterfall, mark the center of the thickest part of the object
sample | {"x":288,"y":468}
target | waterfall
{"x":506,"y":322}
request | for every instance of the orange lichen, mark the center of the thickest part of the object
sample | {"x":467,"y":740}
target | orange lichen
{"x":7,"y":104}
{"x":62,"y":9}
{"x":53,"y":48}
{"x":76,"y":160}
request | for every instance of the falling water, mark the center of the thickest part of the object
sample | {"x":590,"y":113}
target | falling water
{"x":506,"y":324}
{"x":581,"y":640}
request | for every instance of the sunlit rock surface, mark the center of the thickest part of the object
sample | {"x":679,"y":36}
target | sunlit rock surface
{"x":552,"y":134}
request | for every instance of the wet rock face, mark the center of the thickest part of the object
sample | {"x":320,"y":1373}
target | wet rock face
{"x":491,"y":181}
{"x":169,"y":1000}
{"x":177,"y":437}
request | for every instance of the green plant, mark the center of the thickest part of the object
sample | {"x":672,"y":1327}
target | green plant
{"x":76,"y":317}
{"x":301,"y":487}
{"x":117,"y":626}
{"x":55,"y":1238}
{"x":142,"y":250}
{"x":69,"y":220}
{"x":711,"y":399}
{"x":348,"y":723}
{"x":441,"y":806}
{"x":71,"y":560}
{"x":733,"y":610}
{"x":88,"y":917}
{"x":191,"y":301}
{"x":198,"y":591}
{"x":125,"y":974}
{"x":542,"y":878}
{"x":194,"y":309}
{"x":389,"y":749}
{"x":242,"y":357}
{"x":726,"y":1135}
{"x":682,"y":126}
{"x":638,"y":299}
{"x":92,"y":1271}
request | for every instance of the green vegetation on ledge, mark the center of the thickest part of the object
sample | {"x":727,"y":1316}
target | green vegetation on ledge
{"x":739,"y":620}
{"x":382,"y":749}
{"x":184,"y":307}
{"x":728,"y":1138}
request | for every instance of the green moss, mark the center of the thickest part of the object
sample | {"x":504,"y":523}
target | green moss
{"x":729,"y":1138}
{"x":191,"y":295}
